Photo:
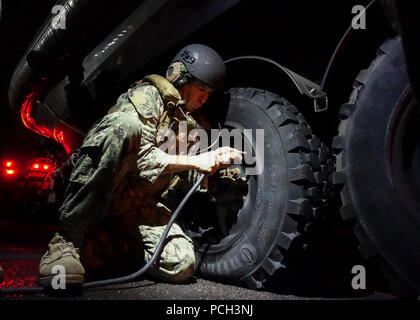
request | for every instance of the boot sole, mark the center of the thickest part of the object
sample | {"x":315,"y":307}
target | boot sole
{"x":70,"y":279}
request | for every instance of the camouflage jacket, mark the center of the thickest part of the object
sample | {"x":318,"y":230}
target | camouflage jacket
{"x":139,"y":182}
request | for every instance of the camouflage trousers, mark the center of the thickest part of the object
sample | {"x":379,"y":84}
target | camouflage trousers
{"x":176,"y":262}
{"x":88,"y":195}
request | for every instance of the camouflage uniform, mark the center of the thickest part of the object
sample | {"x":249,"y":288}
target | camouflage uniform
{"x":119,"y":175}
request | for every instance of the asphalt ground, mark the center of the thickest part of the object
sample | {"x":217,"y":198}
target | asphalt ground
{"x":23,"y":272}
{"x":21,"y":247}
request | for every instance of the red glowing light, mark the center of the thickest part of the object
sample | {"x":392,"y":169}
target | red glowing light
{"x":9,"y":168}
{"x":58,"y":135}
{"x":25,"y":114}
{"x":40,"y":166}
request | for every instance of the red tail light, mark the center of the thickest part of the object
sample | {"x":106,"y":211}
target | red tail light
{"x":9,"y":168}
{"x":40,"y":167}
{"x":36,"y":169}
{"x":40,"y":171}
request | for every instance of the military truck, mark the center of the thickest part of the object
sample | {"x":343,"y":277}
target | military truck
{"x":89,"y":52}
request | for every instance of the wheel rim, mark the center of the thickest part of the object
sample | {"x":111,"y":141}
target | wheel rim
{"x":223,"y":231}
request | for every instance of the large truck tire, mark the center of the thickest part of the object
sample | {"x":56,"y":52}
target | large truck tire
{"x":378,"y":167}
{"x":280,"y":203}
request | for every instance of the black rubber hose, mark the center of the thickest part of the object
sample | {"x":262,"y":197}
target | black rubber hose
{"x":138,"y":273}
{"x":133,"y":276}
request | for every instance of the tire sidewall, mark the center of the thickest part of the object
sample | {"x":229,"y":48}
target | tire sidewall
{"x":382,"y":214}
{"x":268,"y":207}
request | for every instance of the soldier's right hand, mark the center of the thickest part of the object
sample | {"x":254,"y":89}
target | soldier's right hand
{"x":211,"y":161}
{"x":227,"y":156}
{"x":207,"y":162}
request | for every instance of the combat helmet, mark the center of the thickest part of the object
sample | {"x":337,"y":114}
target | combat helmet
{"x":199,"y":62}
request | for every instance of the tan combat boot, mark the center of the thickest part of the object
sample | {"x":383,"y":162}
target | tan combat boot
{"x":61,"y":253}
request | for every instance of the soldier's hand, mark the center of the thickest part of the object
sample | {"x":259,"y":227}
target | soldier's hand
{"x":228,"y":156}
{"x":211,"y":161}
{"x":207,"y":162}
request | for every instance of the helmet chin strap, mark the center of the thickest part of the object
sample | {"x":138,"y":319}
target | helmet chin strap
{"x":183,"y":80}
{"x":178,"y":84}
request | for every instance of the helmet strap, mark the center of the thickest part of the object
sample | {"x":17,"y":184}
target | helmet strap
{"x":183,"y":80}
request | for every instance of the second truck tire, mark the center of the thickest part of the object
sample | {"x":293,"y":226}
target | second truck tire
{"x":378,"y":166}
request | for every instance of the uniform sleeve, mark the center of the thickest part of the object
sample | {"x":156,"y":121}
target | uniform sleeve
{"x":151,"y":161}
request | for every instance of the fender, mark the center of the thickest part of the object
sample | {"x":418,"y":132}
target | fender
{"x":356,"y":49}
{"x":254,"y":70}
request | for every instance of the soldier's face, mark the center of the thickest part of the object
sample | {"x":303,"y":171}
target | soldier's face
{"x":195,"y":94}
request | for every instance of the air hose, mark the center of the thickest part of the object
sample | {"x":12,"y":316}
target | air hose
{"x":130,"y":277}
{"x":137,"y":274}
